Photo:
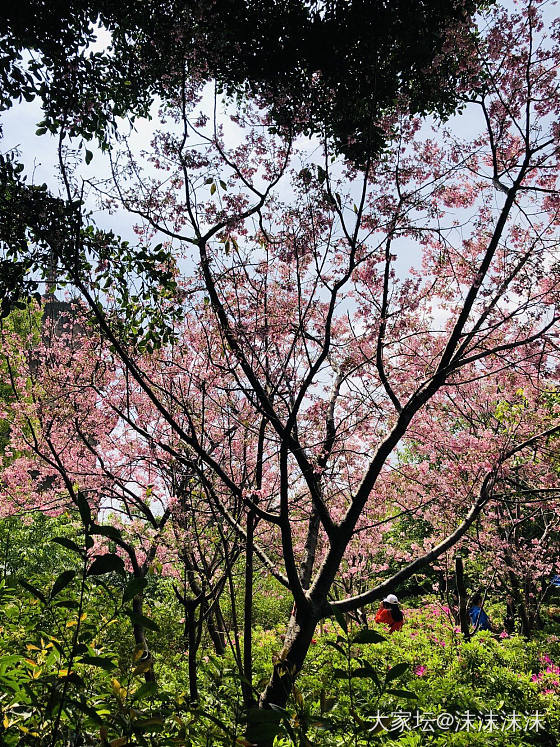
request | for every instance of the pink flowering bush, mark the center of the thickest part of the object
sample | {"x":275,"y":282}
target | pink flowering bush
{"x":447,"y":675}
{"x":548,"y":678}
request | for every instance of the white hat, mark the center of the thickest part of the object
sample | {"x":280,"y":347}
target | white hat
{"x":391,"y":599}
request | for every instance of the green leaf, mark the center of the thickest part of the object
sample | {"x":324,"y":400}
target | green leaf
{"x":61,"y":582}
{"x":135,"y":586}
{"x":142,"y":620}
{"x":371,"y":672}
{"x":146,"y":690}
{"x":337,"y":647}
{"x":75,"y":679}
{"x":143,"y":667}
{"x":341,"y":620}
{"x":360,"y":672}
{"x":99,"y":661}
{"x":149,"y":724}
{"x":403,"y":694}
{"x":84,"y":509}
{"x":368,"y":672}
{"x":89,"y":157}
{"x":106,"y":531}
{"x":32,"y":590}
{"x":40,"y":131}
{"x":8,"y":661}
{"x":106,"y":564}
{"x":87,"y":710}
{"x":340,"y":674}
{"x":68,"y":604}
{"x":368,"y":636}
{"x":68,"y":544}
{"x":396,"y":671}
{"x":58,"y":646}
{"x":213,"y":188}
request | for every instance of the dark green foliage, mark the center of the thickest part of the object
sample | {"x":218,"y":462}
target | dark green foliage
{"x":26,"y":212}
{"x":334,"y":67}
{"x":337,"y":69}
{"x":89,"y":89}
{"x":365,"y":635}
{"x":106,"y":564}
{"x":41,"y":235}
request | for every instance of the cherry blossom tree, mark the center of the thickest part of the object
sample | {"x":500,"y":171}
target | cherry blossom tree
{"x":512,"y":545}
{"x":83,"y":435}
{"x":342,"y":337}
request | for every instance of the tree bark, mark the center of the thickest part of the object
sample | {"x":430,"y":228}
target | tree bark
{"x":193,"y":683}
{"x":140,"y":636}
{"x":310,"y":548}
{"x":246,"y":683}
{"x":216,"y":626}
{"x":462,"y":596}
{"x":296,"y":645}
{"x":521,"y":607}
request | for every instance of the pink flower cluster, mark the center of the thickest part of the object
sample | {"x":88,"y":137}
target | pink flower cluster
{"x":549,"y":676}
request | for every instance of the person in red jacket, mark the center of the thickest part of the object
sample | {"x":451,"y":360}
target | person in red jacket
{"x":390,"y":613}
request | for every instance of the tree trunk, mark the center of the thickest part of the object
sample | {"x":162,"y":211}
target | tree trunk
{"x":517,"y":594}
{"x":140,"y":637}
{"x":310,"y":548}
{"x":462,"y":596}
{"x":296,"y":645}
{"x":193,"y":683}
{"x":246,"y":682}
{"x":216,"y":626}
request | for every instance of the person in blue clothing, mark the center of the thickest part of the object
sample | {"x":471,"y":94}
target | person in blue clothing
{"x":479,"y":618}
